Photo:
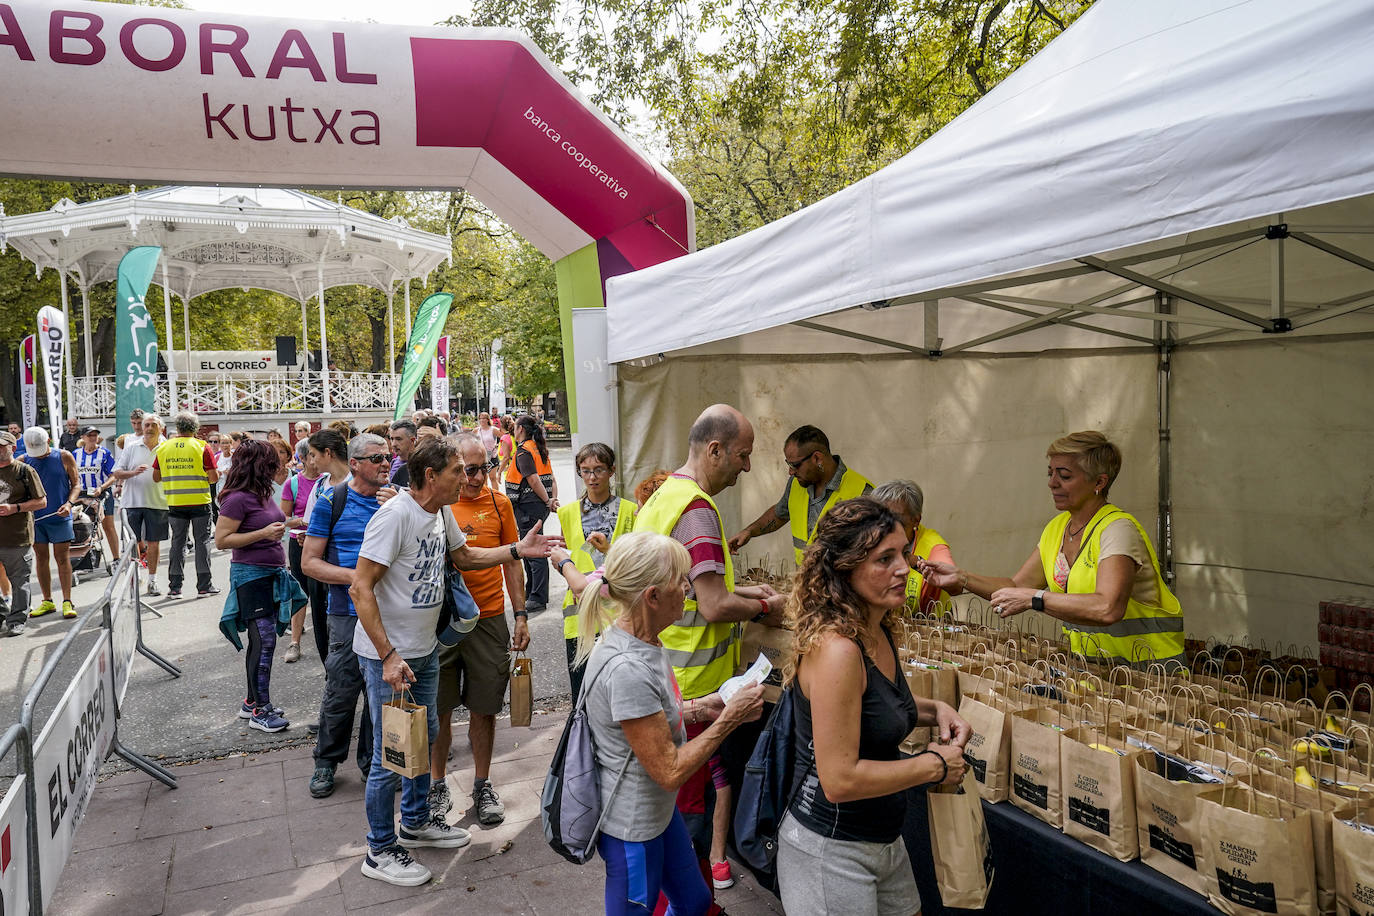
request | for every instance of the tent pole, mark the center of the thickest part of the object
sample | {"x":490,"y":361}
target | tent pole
{"x":324,"y":340}
{"x":167,"y":323}
{"x":932,"y":330}
{"x":86,"y":327}
{"x":1164,"y":535}
{"x":1277,"y":305}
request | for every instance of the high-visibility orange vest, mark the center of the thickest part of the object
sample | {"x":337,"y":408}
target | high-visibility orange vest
{"x":515,"y":482}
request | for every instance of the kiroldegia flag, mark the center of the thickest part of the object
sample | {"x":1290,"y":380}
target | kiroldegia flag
{"x":438,"y":376}
{"x":52,"y":346}
{"x":28,"y":383}
{"x":135,"y":336}
{"x":420,"y":349}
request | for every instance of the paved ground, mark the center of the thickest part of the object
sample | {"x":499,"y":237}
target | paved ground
{"x":242,"y":835}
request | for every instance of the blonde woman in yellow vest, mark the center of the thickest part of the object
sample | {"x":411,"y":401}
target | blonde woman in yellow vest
{"x":817,"y":481}
{"x":1094,"y":568}
{"x":905,"y":499}
{"x":589,"y":527}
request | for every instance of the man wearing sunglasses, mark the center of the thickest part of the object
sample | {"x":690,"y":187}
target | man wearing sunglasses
{"x":817,"y":481}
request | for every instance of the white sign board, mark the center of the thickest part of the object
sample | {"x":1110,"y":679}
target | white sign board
{"x":124,"y":630}
{"x":14,"y":852}
{"x":227,"y":362}
{"x":68,"y":756}
{"x":596,"y":395}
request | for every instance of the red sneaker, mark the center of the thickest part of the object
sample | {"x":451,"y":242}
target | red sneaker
{"x":720,"y":875}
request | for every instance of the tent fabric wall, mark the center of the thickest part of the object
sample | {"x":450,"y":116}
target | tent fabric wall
{"x":1269,"y":454}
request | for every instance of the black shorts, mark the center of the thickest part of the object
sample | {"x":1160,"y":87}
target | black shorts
{"x":148,"y":524}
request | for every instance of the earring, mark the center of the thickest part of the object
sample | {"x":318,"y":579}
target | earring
{"x":1097,"y":492}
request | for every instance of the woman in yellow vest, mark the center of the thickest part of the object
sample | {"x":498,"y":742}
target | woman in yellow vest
{"x":533,"y":494}
{"x":904,"y":499}
{"x":590,"y":526}
{"x":1094,"y":568}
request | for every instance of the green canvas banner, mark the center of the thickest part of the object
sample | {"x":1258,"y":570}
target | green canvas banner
{"x":135,"y":336}
{"x":420,"y":349}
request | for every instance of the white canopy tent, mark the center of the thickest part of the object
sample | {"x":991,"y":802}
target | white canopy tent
{"x":216,"y":238}
{"x":1144,"y":229}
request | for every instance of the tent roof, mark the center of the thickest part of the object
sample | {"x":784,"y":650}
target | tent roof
{"x":221,"y":238}
{"x":1136,"y":165}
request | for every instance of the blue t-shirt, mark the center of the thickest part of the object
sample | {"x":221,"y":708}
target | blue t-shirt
{"x":347,"y":540}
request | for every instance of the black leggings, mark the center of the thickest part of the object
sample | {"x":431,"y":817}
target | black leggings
{"x":262,"y":645}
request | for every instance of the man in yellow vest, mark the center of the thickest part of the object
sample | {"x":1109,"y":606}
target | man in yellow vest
{"x":817,"y":480}
{"x":704,"y":645}
{"x":186,"y":469}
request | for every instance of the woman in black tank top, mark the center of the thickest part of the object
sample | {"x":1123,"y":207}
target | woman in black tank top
{"x":841,"y":838}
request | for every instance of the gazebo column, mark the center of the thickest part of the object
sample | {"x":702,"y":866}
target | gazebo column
{"x":86,"y":328}
{"x":407,"y":311}
{"x":390,"y":332}
{"x":167,"y":323}
{"x":324,"y":341}
{"x":186,"y":336}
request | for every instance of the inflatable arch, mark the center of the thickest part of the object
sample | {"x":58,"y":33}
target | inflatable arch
{"x":152,"y":95}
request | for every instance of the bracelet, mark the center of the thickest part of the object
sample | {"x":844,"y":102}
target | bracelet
{"x":389,"y":654}
{"x":515,"y":551}
{"x":963,"y":581}
{"x":944,"y":766}
{"x":520,"y":614}
{"x":763,"y":602}
{"x":561,"y":562}
{"x":692,"y":711}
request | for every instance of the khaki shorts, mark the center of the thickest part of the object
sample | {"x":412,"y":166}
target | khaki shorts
{"x":475,"y":672}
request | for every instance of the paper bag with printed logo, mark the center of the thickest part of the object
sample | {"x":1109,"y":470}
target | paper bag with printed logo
{"x":1098,"y":786}
{"x":989,"y":749}
{"x":1257,"y":853}
{"x":405,"y":737}
{"x":959,"y":844}
{"x":1353,"y":847}
{"x":1034,"y":764}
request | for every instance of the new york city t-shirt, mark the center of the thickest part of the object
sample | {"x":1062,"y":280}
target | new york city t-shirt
{"x":409,"y":541}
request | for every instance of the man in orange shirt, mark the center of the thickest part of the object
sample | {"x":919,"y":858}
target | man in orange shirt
{"x":475,"y":672}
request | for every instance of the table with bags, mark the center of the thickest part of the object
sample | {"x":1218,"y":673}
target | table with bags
{"x":1120,"y":790}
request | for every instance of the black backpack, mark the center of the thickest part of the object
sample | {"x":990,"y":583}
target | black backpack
{"x":767,"y":791}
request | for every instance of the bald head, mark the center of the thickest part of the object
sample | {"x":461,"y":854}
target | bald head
{"x":717,"y":423}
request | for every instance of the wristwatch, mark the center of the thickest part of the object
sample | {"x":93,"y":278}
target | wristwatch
{"x":515,"y":551}
{"x":1038,"y":600}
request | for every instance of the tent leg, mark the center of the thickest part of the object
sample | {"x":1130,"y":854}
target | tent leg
{"x":1164,"y":336}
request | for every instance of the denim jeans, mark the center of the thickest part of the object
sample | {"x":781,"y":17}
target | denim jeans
{"x":380,"y":797}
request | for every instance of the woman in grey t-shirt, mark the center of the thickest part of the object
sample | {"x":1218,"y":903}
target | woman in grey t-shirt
{"x":635,"y":710}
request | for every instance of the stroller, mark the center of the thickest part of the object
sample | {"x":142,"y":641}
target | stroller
{"x":88,"y":543}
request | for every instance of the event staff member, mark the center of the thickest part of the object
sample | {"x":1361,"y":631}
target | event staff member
{"x":142,"y":499}
{"x":329,"y":556}
{"x":53,"y":523}
{"x":1094,"y":569}
{"x":475,"y":672}
{"x":534,"y":494}
{"x":904,"y":499}
{"x":590,"y":526}
{"x":398,"y":593}
{"x":21,"y":495}
{"x":841,"y":838}
{"x":186,"y":469}
{"x":704,"y":645}
{"x":817,"y":480}
{"x":95,"y":469}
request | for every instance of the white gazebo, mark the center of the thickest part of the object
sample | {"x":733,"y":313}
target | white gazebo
{"x":216,"y":238}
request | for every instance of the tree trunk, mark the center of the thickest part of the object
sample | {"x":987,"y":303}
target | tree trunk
{"x":104,"y":346}
{"x":378,"y":342}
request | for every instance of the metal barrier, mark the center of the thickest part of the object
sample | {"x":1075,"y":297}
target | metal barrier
{"x":87,"y":718}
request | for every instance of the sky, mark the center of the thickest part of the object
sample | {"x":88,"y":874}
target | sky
{"x":400,"y":12}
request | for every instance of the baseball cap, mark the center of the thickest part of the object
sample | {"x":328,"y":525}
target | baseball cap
{"x":6,"y":438}
{"x":90,"y":429}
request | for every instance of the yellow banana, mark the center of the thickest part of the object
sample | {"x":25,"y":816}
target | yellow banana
{"x":1316,"y":748}
{"x":1304,"y":778}
{"x":1332,"y":727}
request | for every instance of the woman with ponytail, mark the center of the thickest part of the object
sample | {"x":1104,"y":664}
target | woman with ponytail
{"x":533,"y":493}
{"x":637,"y":714}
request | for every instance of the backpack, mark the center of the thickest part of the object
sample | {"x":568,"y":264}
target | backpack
{"x":570,"y":806}
{"x":766,"y":791}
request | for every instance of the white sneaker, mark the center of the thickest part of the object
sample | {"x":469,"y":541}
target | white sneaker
{"x":436,"y":833}
{"x":152,"y":586}
{"x":395,"y":866}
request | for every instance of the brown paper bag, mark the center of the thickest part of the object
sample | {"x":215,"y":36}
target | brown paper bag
{"x":521,"y":691}
{"x":1353,"y":846}
{"x":1099,"y":790}
{"x":1257,"y":853}
{"x":1169,"y":824}
{"x":944,"y":680}
{"x":1034,"y":764}
{"x":405,"y":737}
{"x":989,"y":749}
{"x":1317,"y":806}
{"x":775,"y":644}
{"x":959,"y":844}
{"x":919,"y":680}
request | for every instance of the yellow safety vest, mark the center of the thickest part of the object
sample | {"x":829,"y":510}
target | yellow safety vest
{"x":852,"y":484}
{"x":182,"y":463}
{"x":703,"y":654}
{"x":927,"y":540}
{"x":570,"y":520}
{"x":1151,"y":633}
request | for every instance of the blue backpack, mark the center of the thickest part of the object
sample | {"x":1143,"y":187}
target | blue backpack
{"x":767,"y":790}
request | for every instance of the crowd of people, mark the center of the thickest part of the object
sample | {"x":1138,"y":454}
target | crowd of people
{"x":359,"y":529}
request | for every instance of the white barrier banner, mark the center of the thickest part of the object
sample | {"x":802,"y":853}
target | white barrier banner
{"x":124,"y":630}
{"x":14,"y":852}
{"x":497,"y":379}
{"x":596,"y":397}
{"x":68,"y":756}
{"x":227,"y":362}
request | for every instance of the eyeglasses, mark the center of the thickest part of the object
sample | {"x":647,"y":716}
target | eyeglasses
{"x":801,"y":461}
{"x":472,"y":470}
{"x":594,"y":472}
{"x":376,"y":459}
{"x":213,"y":441}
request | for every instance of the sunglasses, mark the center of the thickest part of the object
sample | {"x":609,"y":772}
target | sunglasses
{"x":376,"y":459}
{"x":472,"y":470}
{"x":800,"y":461}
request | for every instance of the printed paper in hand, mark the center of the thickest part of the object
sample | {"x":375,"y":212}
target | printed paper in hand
{"x":758,"y":672}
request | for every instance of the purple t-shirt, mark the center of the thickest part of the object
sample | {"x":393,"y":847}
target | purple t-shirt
{"x":252,"y":514}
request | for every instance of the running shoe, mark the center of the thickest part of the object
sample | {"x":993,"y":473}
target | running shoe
{"x":293,"y":653}
{"x":267,"y":719}
{"x":152,"y":586}
{"x":395,"y":866}
{"x":207,"y":592}
{"x":437,"y":832}
{"x":440,"y":800}
{"x":11,"y":629}
{"x":246,"y":710}
{"x":720,"y":875}
{"x":68,"y":610}
{"x":490,"y":811}
{"x":44,"y":608}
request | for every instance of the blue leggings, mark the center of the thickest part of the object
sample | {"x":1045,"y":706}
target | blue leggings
{"x":637,"y":872}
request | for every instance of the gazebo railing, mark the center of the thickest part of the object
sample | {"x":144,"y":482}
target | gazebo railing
{"x":227,"y":393}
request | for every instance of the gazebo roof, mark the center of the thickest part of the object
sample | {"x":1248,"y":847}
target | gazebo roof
{"x":221,"y":238}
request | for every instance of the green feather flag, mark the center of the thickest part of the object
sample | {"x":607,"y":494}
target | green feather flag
{"x":424,"y":341}
{"x":135,"y":336}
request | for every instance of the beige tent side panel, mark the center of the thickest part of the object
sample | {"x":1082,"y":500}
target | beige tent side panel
{"x":971,"y":431}
{"x":1273,"y":449}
